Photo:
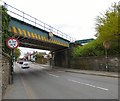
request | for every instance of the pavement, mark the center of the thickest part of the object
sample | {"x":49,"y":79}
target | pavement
{"x":89,"y":72}
{"x":99,"y":73}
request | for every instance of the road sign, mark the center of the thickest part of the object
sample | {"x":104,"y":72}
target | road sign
{"x":12,"y":43}
{"x":106,"y":44}
{"x":50,"y":35}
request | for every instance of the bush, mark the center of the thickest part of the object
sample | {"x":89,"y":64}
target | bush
{"x":94,"y":48}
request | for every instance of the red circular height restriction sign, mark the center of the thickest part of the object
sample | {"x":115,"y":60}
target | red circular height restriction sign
{"x":12,"y":43}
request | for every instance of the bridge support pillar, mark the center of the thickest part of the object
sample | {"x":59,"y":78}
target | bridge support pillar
{"x":62,"y":58}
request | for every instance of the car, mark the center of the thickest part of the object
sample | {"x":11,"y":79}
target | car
{"x":25,"y":65}
{"x":20,"y":62}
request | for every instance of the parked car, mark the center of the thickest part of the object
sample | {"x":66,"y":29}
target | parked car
{"x":25,"y":65}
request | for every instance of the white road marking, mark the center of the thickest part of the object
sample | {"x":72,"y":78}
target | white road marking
{"x":89,"y":85}
{"x":53,"y":75}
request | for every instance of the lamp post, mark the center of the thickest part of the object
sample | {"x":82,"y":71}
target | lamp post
{"x":106,"y":45}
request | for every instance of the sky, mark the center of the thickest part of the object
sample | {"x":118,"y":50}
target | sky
{"x":76,"y":18}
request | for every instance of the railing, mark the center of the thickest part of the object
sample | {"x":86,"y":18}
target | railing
{"x":16,"y":13}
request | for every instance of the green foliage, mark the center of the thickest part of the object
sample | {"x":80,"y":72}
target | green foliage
{"x":5,"y":29}
{"x":17,"y":53}
{"x":94,"y":48}
{"x":6,"y":33}
{"x":107,"y":25}
{"x":108,"y":29}
{"x":39,"y":55}
{"x":40,"y":59}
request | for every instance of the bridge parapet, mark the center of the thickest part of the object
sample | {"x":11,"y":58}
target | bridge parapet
{"x":16,"y":13}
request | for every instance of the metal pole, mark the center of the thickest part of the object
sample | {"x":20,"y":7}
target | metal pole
{"x":11,"y":68}
{"x":106,"y":56}
{"x":23,"y":16}
{"x":13,"y":59}
{"x":35,"y":21}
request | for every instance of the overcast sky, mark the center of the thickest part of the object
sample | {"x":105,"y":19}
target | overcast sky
{"x":73,"y":17}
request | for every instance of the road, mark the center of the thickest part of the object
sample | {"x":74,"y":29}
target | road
{"x":40,"y":83}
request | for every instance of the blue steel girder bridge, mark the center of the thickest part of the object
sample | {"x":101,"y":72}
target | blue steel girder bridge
{"x":33,"y":33}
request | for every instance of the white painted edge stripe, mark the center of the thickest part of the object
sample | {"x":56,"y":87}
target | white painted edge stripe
{"x":89,"y":85}
{"x":54,"y":75}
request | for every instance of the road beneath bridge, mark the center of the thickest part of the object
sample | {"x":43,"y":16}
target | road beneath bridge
{"x":40,"y":82}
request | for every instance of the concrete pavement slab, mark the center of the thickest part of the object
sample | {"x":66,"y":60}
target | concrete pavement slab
{"x":16,"y":91}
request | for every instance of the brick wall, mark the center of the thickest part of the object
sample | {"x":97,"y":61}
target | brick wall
{"x":5,"y":68}
{"x":61,"y":58}
{"x":96,"y":63}
{"x":0,"y":79}
{"x":0,"y":53}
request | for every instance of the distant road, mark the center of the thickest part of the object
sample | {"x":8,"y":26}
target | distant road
{"x":38,"y":83}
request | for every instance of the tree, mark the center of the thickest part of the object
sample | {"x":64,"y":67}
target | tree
{"x":93,"y":48}
{"x":107,"y":24}
{"x":17,"y":53}
{"x":108,"y":29}
{"x":40,"y":57}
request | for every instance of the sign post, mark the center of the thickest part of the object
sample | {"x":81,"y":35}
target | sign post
{"x":12,"y":43}
{"x":106,"y":45}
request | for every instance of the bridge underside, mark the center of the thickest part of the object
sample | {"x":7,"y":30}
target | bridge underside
{"x":36,"y":44}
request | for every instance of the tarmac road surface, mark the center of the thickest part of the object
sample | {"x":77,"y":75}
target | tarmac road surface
{"x":40,"y":83}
